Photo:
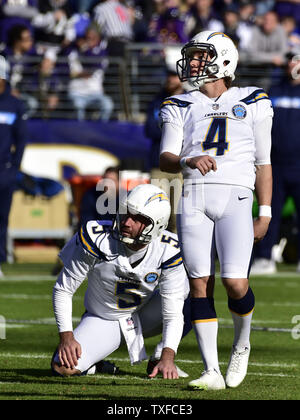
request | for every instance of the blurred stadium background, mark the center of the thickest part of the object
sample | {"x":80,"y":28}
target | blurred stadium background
{"x":74,"y":153}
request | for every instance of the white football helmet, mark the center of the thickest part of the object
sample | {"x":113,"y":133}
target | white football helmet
{"x":222,"y":63}
{"x":150,"y":202}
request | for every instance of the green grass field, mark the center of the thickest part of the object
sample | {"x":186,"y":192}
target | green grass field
{"x":31,"y":336}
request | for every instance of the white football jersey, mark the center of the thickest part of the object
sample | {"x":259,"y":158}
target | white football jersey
{"x":115,"y":288}
{"x":222,"y":128}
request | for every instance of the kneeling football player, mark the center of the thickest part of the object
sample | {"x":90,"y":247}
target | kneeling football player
{"x":136,"y":288}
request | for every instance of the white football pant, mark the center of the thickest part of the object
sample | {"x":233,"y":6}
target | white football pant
{"x":99,"y":337}
{"x":216,"y":218}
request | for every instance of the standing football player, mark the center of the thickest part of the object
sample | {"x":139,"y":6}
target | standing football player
{"x":125,"y":264}
{"x":220,"y":138}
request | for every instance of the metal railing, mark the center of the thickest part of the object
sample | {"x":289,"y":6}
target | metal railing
{"x":131,"y":82}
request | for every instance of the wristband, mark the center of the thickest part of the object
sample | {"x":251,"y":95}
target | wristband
{"x":265,"y":211}
{"x":183,"y":163}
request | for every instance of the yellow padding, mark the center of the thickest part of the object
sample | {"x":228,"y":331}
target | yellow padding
{"x":197,"y":321}
{"x":242,"y":314}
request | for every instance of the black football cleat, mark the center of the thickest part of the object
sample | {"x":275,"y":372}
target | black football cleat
{"x":104,"y":366}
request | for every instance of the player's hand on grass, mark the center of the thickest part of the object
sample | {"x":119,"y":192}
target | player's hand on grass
{"x":261,"y":225}
{"x":69,"y":350}
{"x":204,"y":164}
{"x":166,"y":366}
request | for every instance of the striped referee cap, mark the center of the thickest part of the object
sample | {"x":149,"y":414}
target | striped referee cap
{"x":3,"y":68}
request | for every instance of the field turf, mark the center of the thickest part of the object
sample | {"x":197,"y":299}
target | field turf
{"x":31,"y":336}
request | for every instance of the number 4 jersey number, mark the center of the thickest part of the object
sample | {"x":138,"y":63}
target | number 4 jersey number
{"x":216,"y":136}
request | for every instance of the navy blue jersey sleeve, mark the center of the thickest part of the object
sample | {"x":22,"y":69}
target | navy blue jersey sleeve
{"x":20,"y":135}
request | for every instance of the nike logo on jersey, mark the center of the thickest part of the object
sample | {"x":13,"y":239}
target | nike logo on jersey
{"x":242,"y":198}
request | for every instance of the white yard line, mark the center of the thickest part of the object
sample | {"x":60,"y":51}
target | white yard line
{"x":11,"y":326}
{"x":257,"y":364}
{"x":228,"y":321}
{"x":279,"y":275}
{"x":126,"y":359}
{"x":126,"y":377}
{"x":224,"y":322}
{"x":25,"y":356}
{"x":278,"y":375}
{"x":262,"y":303}
{"x":35,"y":277}
{"x":138,"y":378}
{"x":258,"y":280}
{"x":39,"y":321}
{"x":23,"y":296}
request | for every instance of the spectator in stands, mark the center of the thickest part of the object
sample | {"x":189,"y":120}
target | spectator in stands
{"x":23,"y":63}
{"x":83,"y":6}
{"x":268,"y":42}
{"x":13,"y":138}
{"x":231,"y":24}
{"x":51,"y":26}
{"x":190,"y":3}
{"x":169,"y":26}
{"x":115,"y":24}
{"x":147,"y":8}
{"x":247,"y":11}
{"x":110,"y":185}
{"x":289,"y":25}
{"x":262,"y":7}
{"x":87,"y":65}
{"x":16,"y":12}
{"x":76,"y":27}
{"x":246,"y":23}
{"x":51,"y":86}
{"x":139,"y":19}
{"x":172,"y":86}
{"x":238,"y":24}
{"x":204,"y":18}
{"x":285,"y":161}
{"x":288,"y":8}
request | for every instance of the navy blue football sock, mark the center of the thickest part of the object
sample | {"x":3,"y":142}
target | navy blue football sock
{"x":202,"y":309}
{"x":187,"y":316}
{"x":242,"y":306}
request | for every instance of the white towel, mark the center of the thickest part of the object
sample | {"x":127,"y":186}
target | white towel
{"x":132,"y":332}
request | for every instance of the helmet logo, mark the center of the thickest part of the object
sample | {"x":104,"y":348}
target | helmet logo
{"x":160,"y":196}
{"x":217,"y":33}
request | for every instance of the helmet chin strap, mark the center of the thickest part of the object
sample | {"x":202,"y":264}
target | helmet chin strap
{"x":126,"y":240}
{"x":141,"y":239}
{"x":130,"y":242}
{"x":200,"y":83}
{"x":206,"y":79}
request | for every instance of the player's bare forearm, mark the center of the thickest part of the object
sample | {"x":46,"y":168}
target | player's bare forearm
{"x":263,"y":189}
{"x":168,"y":162}
{"x":263,"y":184}
{"x":166,"y":365}
{"x":171,"y":163}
